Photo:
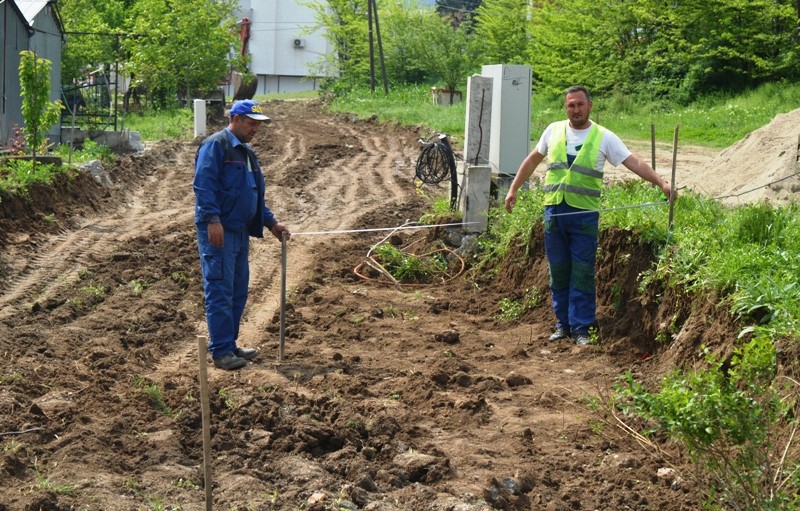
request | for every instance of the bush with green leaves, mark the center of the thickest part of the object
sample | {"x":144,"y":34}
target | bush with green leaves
{"x":17,"y":175}
{"x":737,"y":419}
{"x":90,"y":150}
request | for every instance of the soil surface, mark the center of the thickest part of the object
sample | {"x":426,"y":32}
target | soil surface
{"x":412,"y":397}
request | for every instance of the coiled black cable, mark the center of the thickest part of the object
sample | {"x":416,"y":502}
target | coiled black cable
{"x":435,"y":163}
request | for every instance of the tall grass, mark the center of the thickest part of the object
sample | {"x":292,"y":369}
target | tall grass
{"x":176,"y":124}
{"x":715,"y":121}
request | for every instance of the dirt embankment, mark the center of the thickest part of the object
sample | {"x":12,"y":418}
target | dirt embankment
{"x":386,"y":400}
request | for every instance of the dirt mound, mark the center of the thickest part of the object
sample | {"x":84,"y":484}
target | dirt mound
{"x":387,"y":399}
{"x":761,"y":166}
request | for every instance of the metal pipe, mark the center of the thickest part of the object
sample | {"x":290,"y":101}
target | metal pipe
{"x":283,"y":295}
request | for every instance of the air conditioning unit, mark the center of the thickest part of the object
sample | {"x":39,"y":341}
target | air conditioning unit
{"x":299,"y":43}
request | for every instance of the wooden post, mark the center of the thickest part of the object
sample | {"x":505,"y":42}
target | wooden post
{"x":283,"y":296}
{"x":672,"y":182}
{"x":202,"y":345}
{"x":653,"y":145}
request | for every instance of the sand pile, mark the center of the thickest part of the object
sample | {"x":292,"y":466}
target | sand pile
{"x":761,"y":166}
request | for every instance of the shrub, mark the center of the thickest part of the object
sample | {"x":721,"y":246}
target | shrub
{"x":736,"y":419}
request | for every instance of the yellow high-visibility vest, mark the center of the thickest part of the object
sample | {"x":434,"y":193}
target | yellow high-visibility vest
{"x":579,"y":184}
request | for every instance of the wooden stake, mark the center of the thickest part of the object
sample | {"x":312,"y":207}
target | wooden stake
{"x":653,"y":145}
{"x":206,"y":419}
{"x":672,"y":182}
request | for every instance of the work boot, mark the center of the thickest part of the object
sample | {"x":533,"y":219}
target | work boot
{"x":229,"y":361}
{"x":560,"y":333}
{"x":245,"y":353}
{"x":582,"y":339}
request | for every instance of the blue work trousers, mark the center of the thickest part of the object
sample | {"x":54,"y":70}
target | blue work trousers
{"x":570,"y":242}
{"x":226,"y":276}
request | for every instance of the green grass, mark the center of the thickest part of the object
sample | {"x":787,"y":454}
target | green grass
{"x":714,"y":121}
{"x":288,"y":96}
{"x":406,"y":105}
{"x":177,"y":124}
{"x":90,"y":150}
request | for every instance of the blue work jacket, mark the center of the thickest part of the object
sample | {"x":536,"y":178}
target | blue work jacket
{"x":223,"y":186}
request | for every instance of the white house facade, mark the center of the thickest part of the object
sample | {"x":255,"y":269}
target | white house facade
{"x":284,"y":55}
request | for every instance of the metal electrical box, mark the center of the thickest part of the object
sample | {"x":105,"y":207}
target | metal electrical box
{"x":511,"y":117}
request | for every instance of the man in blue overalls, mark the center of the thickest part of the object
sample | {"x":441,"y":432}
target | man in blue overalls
{"x":229,"y":208}
{"x":576,"y":150}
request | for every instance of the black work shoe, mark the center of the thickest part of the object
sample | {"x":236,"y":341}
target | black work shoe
{"x":245,"y":353}
{"x":229,"y":361}
{"x":560,"y":333}
{"x":582,"y":339}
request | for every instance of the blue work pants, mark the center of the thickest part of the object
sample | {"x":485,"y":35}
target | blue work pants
{"x":226,"y":276}
{"x":570,"y":242}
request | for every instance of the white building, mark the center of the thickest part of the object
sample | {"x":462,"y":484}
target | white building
{"x":283,"y":54}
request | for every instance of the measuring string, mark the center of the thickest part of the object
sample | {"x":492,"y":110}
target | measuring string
{"x":378,"y":229}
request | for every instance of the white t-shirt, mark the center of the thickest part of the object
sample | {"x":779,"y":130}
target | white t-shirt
{"x":611,"y":147}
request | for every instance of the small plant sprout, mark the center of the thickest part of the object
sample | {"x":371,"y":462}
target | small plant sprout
{"x":187,"y":484}
{"x":180,"y":278}
{"x":230,"y":402}
{"x":10,"y":377}
{"x":12,"y":446}
{"x":94,"y":291}
{"x":138,"y":286}
{"x":154,"y":394}
{"x":594,"y":335}
{"x":46,"y":484}
{"x":511,"y":309}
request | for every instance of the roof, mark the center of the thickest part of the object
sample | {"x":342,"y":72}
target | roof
{"x":30,"y":8}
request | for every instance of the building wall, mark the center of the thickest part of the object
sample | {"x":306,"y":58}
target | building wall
{"x":15,"y":39}
{"x":45,"y":39}
{"x":46,"y":43}
{"x":283,"y":57}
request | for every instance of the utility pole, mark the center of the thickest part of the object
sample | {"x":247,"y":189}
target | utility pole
{"x":372,"y":11}
{"x":371,"y":49}
{"x":380,"y":47}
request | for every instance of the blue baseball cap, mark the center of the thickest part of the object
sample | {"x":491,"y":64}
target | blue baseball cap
{"x":249,"y":108}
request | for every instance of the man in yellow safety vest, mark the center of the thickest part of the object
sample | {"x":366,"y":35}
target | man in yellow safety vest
{"x":576,"y":151}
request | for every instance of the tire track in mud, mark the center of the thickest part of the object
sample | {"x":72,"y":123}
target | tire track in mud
{"x":58,"y":261}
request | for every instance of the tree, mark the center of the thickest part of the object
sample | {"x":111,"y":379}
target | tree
{"x":170,"y":46}
{"x":458,"y":11}
{"x":39,"y":112}
{"x":449,"y":54}
{"x":93,"y":29}
{"x":677,"y":49}
{"x":180,"y":47}
{"x":345,"y":25}
{"x":502,"y":27}
{"x":403,"y":25}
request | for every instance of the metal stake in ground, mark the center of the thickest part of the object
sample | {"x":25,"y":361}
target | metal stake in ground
{"x":283,"y":295}
{"x":206,"y":418}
